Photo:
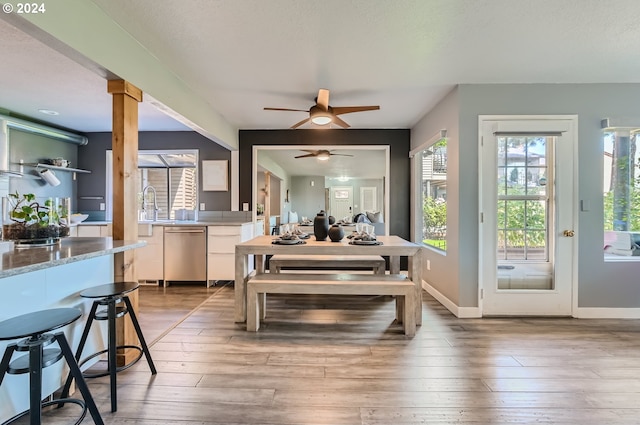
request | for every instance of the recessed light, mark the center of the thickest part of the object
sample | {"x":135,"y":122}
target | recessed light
{"x":48,"y":112}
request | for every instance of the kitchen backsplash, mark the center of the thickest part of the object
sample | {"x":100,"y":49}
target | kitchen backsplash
{"x":201,"y":215}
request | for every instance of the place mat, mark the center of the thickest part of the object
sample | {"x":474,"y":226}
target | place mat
{"x":365,"y":243}
{"x":287,"y":242}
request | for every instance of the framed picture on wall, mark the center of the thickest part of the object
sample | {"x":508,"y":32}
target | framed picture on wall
{"x":215,"y":175}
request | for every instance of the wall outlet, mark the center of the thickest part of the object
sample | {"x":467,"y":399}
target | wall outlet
{"x":245,"y":206}
{"x":428,"y":264}
{"x":102,"y":206}
{"x":201,"y":206}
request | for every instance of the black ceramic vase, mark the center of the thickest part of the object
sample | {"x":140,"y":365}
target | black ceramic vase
{"x":321,"y":226}
{"x":336,"y":233}
{"x":332,"y":220}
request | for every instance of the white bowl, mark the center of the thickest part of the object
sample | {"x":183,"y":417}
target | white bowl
{"x":78,"y":218}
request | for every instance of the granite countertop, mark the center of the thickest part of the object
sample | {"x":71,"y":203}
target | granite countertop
{"x":220,"y":222}
{"x":23,"y":260}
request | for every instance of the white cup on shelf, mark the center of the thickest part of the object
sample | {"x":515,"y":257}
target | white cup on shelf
{"x":49,"y":176}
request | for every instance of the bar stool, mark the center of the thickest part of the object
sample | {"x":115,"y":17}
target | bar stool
{"x":110,"y":295}
{"x":34,"y":327}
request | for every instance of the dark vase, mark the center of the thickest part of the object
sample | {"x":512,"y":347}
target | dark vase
{"x":332,"y":219}
{"x":321,"y":226}
{"x":336,"y":233}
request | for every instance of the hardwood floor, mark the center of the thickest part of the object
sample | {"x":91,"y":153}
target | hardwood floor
{"x":339,"y":360}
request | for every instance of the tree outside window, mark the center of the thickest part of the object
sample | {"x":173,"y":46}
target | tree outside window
{"x":433,"y":164}
{"x":621,"y":180}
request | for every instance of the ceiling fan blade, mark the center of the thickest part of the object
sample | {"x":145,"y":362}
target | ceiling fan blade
{"x":348,"y":109}
{"x":298,"y":124}
{"x":339,"y":154}
{"x":309,"y":155}
{"x":323,"y":99}
{"x":285,"y":109}
{"x":338,"y":121}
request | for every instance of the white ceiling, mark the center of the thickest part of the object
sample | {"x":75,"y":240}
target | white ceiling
{"x":243,"y":55}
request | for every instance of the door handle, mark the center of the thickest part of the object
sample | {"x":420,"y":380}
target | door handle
{"x":568,"y":233}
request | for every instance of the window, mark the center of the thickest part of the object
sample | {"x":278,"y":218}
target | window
{"x":523,"y":198}
{"x":173,"y":175}
{"x":621,"y":190}
{"x":431,"y":167}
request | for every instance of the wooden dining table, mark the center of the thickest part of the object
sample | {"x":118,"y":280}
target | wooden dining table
{"x":393,"y":247}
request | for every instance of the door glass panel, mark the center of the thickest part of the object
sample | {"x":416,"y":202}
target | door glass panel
{"x":523,"y":210}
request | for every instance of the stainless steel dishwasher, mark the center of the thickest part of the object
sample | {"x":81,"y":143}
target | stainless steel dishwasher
{"x":185,"y":254}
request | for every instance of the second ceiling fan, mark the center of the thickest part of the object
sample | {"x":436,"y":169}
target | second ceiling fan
{"x":321,"y":154}
{"x":322,"y":113}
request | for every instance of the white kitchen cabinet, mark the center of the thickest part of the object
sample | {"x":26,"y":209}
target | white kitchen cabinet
{"x":94,"y":230}
{"x":149,"y":263}
{"x":221,"y":246}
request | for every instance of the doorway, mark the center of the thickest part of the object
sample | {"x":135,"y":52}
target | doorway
{"x":528,"y":213}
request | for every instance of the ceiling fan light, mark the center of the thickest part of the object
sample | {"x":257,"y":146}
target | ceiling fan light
{"x":323,"y":156}
{"x":320,"y":117}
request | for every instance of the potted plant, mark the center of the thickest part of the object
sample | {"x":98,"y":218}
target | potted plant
{"x":28,"y":220}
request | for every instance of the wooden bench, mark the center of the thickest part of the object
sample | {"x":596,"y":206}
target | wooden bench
{"x":350,"y":262}
{"x":332,"y":284}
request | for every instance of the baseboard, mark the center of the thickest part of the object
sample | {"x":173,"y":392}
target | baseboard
{"x":606,"y":313}
{"x":579,"y":313}
{"x":459,"y":312}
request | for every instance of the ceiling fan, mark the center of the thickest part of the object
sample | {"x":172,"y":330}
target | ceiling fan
{"x":322,"y":113}
{"x":321,"y":154}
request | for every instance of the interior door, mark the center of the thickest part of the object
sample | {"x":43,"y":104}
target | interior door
{"x":528,"y":213}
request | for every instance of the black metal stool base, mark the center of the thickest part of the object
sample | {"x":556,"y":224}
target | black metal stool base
{"x":59,"y":401}
{"x":119,"y":368}
{"x":109,"y":296}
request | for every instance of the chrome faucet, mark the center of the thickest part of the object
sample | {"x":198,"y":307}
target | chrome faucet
{"x":144,"y":203}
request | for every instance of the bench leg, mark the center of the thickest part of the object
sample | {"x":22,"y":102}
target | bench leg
{"x":262,"y":300}
{"x":253,"y":319}
{"x":400,"y":308}
{"x":409,"y":321}
{"x":379,"y":270}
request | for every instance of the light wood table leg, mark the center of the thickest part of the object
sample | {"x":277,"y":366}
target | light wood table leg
{"x":415,"y":274}
{"x":394,"y":265}
{"x":240,"y":287}
{"x":262,"y":298}
{"x":394,"y":268}
{"x":259,"y":260}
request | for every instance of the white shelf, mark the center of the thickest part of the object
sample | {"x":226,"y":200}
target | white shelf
{"x":51,"y":167}
{"x":54,"y":167}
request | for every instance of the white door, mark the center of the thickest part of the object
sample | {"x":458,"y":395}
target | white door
{"x":528,"y":213}
{"x":341,"y":201}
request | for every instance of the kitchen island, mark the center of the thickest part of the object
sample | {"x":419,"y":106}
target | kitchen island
{"x":39,"y":278}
